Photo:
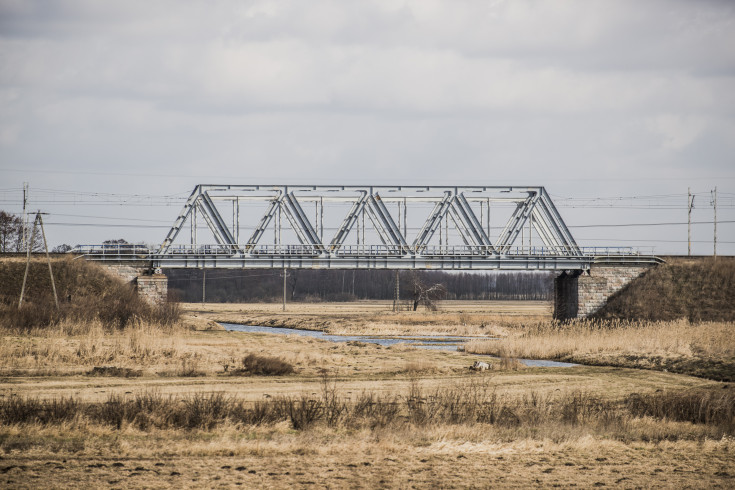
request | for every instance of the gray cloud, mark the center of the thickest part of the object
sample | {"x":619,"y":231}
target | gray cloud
{"x":608,"y":97}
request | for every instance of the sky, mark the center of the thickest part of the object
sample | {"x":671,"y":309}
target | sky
{"x":113,"y":111}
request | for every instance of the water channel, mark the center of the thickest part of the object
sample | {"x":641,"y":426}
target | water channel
{"x":438,"y":342}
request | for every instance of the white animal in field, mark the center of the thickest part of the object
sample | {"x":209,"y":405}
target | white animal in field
{"x":480,"y":366}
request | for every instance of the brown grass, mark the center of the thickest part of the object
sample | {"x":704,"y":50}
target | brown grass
{"x":471,"y":402}
{"x":386,"y":417}
{"x":454,"y":456}
{"x":702,"y":349}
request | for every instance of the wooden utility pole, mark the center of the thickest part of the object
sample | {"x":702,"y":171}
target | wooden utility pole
{"x":285,"y":274}
{"x":715,"y":221}
{"x":24,"y":238}
{"x":397,"y":298}
{"x":37,"y":222}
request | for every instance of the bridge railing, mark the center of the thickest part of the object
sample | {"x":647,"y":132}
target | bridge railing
{"x":140,"y":251}
{"x":117,"y":249}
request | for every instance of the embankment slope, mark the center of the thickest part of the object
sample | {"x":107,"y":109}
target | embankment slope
{"x":698,"y":289}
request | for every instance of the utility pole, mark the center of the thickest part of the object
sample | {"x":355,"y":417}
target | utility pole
{"x":285,"y":274}
{"x":690,"y":205}
{"x":714,"y":201}
{"x":37,"y":222}
{"x":204,"y":285}
{"x":397,"y":299}
{"x":24,"y":238}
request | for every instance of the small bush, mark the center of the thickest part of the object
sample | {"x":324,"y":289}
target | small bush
{"x":263,"y":366}
{"x":303,"y":412}
{"x":189,"y":367}
{"x":115,"y":372}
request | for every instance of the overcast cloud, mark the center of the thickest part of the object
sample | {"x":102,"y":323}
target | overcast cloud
{"x":588,"y":98}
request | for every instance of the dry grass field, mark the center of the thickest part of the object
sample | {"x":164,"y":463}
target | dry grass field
{"x":174,"y":406}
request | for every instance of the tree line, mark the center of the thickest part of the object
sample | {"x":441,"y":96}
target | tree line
{"x":237,"y":285}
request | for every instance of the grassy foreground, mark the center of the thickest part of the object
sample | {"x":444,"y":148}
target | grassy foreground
{"x":171,"y":405}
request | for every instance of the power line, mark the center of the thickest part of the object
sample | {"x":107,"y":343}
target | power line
{"x":619,"y":225}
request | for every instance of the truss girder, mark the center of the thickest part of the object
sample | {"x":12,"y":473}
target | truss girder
{"x":450,"y":205}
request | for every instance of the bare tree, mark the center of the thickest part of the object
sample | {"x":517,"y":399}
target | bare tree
{"x":11,"y":232}
{"x":424,"y":294}
{"x":61,"y":249}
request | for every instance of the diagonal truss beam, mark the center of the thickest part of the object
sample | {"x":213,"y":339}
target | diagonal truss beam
{"x":516,"y":222}
{"x":432,"y":222}
{"x":300,"y":223}
{"x":383,"y":223}
{"x":348,"y":222}
{"x":180,"y":220}
{"x":550,"y":218}
{"x":264,"y":221}
{"x":200,"y":200}
{"x":467,"y":223}
{"x":215,"y":222}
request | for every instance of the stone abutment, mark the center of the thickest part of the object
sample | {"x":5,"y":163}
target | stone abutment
{"x":581,"y":294}
{"x":151,"y":286}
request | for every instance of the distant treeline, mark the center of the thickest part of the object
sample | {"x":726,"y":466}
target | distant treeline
{"x":237,"y":285}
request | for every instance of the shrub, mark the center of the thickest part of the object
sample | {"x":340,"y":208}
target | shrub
{"x":264,"y":366}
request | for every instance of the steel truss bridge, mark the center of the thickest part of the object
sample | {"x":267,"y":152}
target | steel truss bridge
{"x":368,"y":227}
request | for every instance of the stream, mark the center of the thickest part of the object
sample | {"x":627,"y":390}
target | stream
{"x":437,"y":342}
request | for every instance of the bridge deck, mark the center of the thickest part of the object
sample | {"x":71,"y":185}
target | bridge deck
{"x":363,"y":257}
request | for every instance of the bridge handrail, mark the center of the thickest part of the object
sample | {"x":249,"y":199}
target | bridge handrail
{"x":111,"y":249}
{"x":122,"y":250}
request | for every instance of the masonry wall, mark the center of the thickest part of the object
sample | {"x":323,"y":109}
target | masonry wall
{"x":151,"y":287}
{"x":580,"y":295}
{"x":566,"y":295}
{"x":602,"y":282}
{"x":127,"y":273}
